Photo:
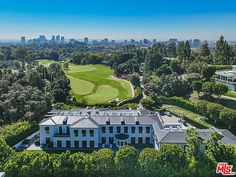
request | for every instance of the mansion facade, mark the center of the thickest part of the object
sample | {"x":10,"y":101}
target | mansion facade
{"x":100,"y":128}
{"x":228,"y":78}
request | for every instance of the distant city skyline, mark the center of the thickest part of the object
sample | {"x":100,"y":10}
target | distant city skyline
{"x":119,"y":20}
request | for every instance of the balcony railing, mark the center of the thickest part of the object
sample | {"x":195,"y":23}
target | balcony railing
{"x":61,"y":135}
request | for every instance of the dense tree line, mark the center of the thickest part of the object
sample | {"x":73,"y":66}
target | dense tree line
{"x":170,"y":160}
{"x":191,"y":69}
{"x":29,"y":94}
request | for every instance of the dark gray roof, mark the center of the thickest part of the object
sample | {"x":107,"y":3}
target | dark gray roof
{"x":130,"y":117}
{"x":180,"y":137}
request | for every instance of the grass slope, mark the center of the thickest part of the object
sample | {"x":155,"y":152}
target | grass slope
{"x":94,"y":82}
{"x":45,"y":62}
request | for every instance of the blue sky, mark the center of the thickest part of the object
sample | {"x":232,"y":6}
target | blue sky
{"x":120,"y":19}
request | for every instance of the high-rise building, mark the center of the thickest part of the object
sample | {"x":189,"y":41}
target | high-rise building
{"x":94,"y":42}
{"x":113,"y":42}
{"x":173,"y":41}
{"x":53,"y":39}
{"x":132,"y":41}
{"x":196,"y":43}
{"x":62,"y":39}
{"x":154,"y":41}
{"x":22,"y":40}
{"x":42,"y":39}
{"x":106,"y":41}
{"x":58,"y":39}
{"x":86,"y":40}
{"x":145,"y":41}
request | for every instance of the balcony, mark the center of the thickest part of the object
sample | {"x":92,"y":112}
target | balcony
{"x":61,"y":135}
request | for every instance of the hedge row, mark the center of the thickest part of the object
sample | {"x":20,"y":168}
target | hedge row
{"x":138,"y":96}
{"x":221,"y":67}
{"x":18,"y":131}
{"x":196,"y":123}
{"x":205,"y":108}
{"x":178,"y":101}
{"x":189,"y":118}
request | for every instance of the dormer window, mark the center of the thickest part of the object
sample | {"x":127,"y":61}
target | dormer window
{"x":122,"y":121}
{"x":137,"y":121}
{"x":108,"y":121}
{"x":65,"y":120}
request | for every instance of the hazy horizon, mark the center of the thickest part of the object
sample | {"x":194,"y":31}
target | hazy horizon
{"x":119,"y":20}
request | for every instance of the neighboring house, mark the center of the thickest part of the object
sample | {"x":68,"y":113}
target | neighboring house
{"x":227,"y":78}
{"x":98,"y":128}
{"x":180,"y":137}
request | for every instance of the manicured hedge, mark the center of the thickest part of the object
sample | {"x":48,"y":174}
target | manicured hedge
{"x":138,"y":96}
{"x":195,"y":123}
{"x":177,"y":101}
{"x":16,"y":132}
{"x":189,"y":116}
{"x":199,"y":107}
{"x":221,"y":67}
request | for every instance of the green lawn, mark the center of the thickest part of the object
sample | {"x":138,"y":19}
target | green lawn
{"x":231,"y":94}
{"x":94,"y":82}
{"x":45,"y":62}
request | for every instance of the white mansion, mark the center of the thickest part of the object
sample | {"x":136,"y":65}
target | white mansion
{"x":227,"y":78}
{"x":98,"y":128}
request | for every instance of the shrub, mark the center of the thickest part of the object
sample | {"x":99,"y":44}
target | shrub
{"x":135,"y":99}
{"x":178,"y":101}
{"x":201,"y":107}
{"x":18,"y":131}
{"x":213,"y":111}
{"x":228,"y":117}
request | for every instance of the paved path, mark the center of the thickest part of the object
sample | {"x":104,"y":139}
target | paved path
{"x":19,"y":146}
{"x":142,"y":86}
{"x":227,"y":97}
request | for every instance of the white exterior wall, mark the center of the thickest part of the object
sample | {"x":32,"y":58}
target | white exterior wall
{"x":97,"y":138}
{"x":136,"y":134}
{"x":43,"y":134}
{"x":87,"y":138}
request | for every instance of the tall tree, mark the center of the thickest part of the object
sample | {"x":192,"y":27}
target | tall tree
{"x":197,"y":86}
{"x":60,"y":89}
{"x":152,"y":61}
{"x":217,"y":151}
{"x":223,"y":53}
{"x":204,"y":50}
{"x":134,"y":79}
{"x":220,"y":89}
{"x":126,"y":160}
{"x":184,"y":51}
{"x":193,"y":153}
{"x":228,"y":117}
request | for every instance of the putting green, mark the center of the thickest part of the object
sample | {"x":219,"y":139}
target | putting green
{"x":95,"y":83}
{"x":79,"y":86}
{"x":103,"y":94}
{"x":77,"y":68}
{"x":106,"y":87}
